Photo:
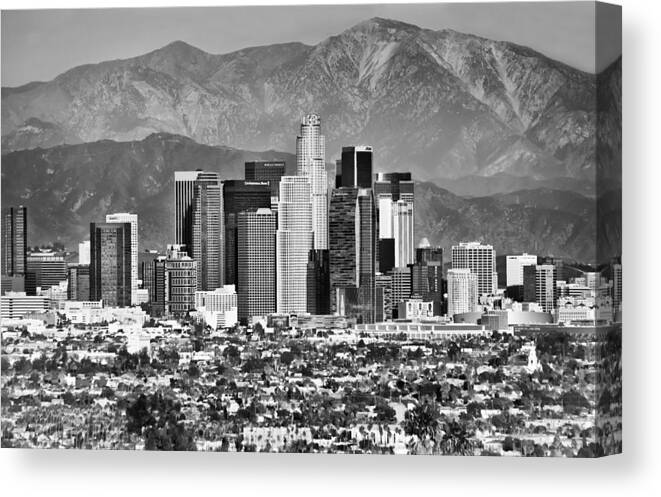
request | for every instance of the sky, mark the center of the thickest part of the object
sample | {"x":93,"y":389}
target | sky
{"x":37,"y":45}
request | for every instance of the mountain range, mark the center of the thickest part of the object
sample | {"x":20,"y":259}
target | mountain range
{"x":507,"y":145}
{"x":441,"y":104}
{"x":67,"y":186}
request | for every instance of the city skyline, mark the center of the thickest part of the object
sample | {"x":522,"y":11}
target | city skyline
{"x":200,"y":221}
{"x":436,"y":269}
{"x":281,"y":277}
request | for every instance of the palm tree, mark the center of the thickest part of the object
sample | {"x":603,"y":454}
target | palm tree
{"x":423,"y":423}
{"x":456,"y":440}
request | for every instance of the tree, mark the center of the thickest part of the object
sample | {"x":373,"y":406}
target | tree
{"x":456,"y":440}
{"x":423,"y":422}
{"x":384,"y":413}
{"x":286,"y":358}
{"x":474,"y":410}
{"x":158,"y":419}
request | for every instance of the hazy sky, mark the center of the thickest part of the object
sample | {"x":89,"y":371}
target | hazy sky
{"x":37,"y":45}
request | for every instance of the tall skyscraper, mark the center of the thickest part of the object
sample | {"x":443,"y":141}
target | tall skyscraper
{"x":344,"y":239}
{"x":402,"y":227}
{"x":256,"y":263}
{"x":184,"y":191}
{"x":240,"y":196}
{"x":394,"y":194}
{"x":514,"y":267}
{"x":206,"y":238}
{"x":186,"y":185}
{"x":311,"y":163}
{"x":78,"y":278}
{"x":545,"y":287}
{"x":110,"y":263}
{"x":367,"y":269}
{"x":125,"y":217}
{"x":529,"y":293}
{"x":462,"y":291}
{"x":427,"y":274}
{"x":352,"y":252}
{"x":14,"y":241}
{"x":357,"y":166}
{"x":481,"y":260}
{"x":294,"y":240}
{"x":155,"y":278}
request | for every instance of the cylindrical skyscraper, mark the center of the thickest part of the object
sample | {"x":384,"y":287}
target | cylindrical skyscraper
{"x":311,"y":163}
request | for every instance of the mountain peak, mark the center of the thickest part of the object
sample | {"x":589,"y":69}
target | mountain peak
{"x":180,"y":48}
{"x":381,"y":23}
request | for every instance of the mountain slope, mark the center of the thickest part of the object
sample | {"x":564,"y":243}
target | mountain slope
{"x":442,"y":103}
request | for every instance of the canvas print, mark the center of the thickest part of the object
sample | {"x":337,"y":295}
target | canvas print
{"x":351,"y":229}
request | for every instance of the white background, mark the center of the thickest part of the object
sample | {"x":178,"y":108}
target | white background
{"x":636,"y":472}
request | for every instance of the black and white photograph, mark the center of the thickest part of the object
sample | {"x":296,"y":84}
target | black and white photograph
{"x":388,"y":229}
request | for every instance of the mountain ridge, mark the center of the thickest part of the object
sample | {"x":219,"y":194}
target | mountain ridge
{"x":445,"y":103}
{"x":67,"y":186}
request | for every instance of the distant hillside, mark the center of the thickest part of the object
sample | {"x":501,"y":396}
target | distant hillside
{"x":68,"y":186}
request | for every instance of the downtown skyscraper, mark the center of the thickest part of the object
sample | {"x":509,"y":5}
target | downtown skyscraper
{"x":540,"y":285}
{"x":462,"y":291}
{"x":239,"y":196}
{"x":256,"y":263}
{"x":206,"y":237}
{"x":311,"y":163}
{"x":343,"y":240}
{"x":199,"y":223}
{"x":481,"y":260}
{"x":294,"y":240}
{"x":352,"y":252}
{"x":125,"y":217}
{"x":427,"y":274}
{"x":110,"y":263}
{"x":357,"y":166}
{"x":14,"y":241}
{"x":266,"y":170}
{"x":394,"y":197}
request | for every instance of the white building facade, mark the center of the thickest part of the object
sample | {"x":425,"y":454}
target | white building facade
{"x":515,"y":265}
{"x":311,"y":164}
{"x":462,"y":291}
{"x":294,"y":240}
{"x":481,"y":260}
